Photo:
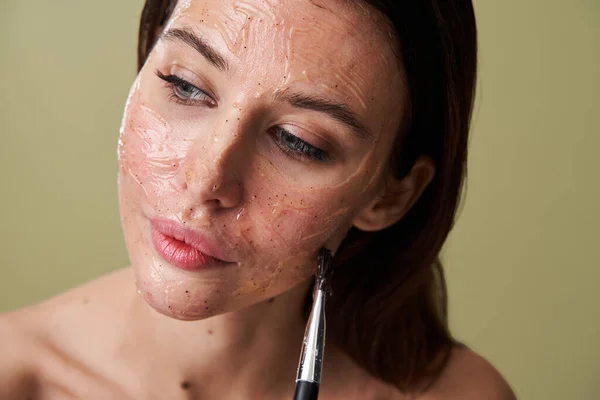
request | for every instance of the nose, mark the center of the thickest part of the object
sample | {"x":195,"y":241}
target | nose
{"x":213,"y":169}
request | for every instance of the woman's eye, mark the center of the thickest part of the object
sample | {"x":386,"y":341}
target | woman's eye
{"x":184,"y":92}
{"x":294,"y":146}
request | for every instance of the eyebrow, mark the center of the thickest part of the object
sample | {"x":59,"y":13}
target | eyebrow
{"x":188,"y":37}
{"x":338,"y":111}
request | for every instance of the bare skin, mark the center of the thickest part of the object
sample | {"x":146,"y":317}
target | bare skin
{"x":235,"y":155}
{"x":102,"y":341}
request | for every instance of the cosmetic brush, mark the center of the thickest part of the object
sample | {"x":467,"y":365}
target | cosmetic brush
{"x":313,"y":347}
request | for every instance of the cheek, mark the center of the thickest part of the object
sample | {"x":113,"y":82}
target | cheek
{"x":150,"y":154}
{"x":309,"y":223}
{"x":284,"y":220}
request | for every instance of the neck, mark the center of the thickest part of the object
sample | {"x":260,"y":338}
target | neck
{"x":247,"y":352}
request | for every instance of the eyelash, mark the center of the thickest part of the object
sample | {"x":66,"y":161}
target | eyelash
{"x":178,"y":85}
{"x":295,"y":147}
{"x":290,"y":144}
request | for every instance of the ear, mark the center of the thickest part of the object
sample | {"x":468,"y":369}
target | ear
{"x":396,"y":197}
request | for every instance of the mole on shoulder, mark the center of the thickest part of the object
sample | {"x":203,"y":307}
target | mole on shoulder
{"x":185,"y":385}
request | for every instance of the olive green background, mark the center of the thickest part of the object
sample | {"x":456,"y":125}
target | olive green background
{"x":522,"y":262}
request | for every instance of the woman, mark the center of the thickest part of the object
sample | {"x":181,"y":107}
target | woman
{"x":256,"y":133}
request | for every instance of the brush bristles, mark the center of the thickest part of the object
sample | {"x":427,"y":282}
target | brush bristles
{"x":324,"y":269}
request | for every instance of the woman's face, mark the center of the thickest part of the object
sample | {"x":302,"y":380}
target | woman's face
{"x":254,"y":135}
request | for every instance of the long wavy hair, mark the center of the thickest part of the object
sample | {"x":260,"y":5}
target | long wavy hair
{"x":389,"y":305}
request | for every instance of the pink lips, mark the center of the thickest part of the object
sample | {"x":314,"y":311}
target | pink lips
{"x":184,"y":247}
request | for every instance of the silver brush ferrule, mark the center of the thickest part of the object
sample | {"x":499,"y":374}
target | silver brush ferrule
{"x":311,"y":360}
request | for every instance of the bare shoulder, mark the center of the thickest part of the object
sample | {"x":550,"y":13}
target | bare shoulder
{"x":469,"y":376}
{"x":66,"y":320}
{"x":17,"y":349}
{"x":39,"y":338}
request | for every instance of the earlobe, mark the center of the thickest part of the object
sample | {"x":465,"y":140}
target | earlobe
{"x":396,"y":197}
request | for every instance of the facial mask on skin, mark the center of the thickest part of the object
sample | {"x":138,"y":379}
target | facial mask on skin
{"x":180,"y":8}
{"x":218,"y":168}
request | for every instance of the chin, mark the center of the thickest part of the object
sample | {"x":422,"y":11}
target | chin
{"x":182,"y":313}
{"x":155,"y":296}
{"x":174,"y":299}
{"x":183,"y":296}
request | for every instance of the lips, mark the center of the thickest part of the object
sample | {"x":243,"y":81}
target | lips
{"x":186,"y":248}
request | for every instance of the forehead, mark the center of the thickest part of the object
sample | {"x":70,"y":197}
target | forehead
{"x":342,"y":48}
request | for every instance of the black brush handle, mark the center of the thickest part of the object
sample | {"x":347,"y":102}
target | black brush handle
{"x":306,"y":390}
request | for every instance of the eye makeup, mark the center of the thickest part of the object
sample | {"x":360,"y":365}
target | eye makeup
{"x":297,"y":148}
{"x":185,"y":93}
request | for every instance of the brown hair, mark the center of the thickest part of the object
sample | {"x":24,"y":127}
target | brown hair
{"x":389,"y":294}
